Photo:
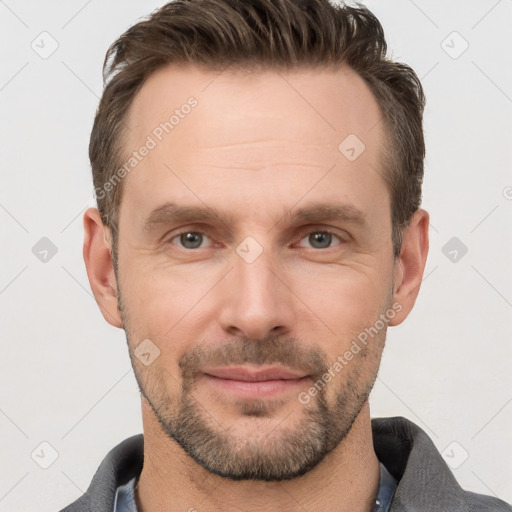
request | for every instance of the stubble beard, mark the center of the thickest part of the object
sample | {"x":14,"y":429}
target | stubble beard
{"x":286,"y":452}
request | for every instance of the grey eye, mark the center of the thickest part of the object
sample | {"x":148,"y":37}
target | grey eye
{"x":320,"y":239}
{"x":191,"y":239}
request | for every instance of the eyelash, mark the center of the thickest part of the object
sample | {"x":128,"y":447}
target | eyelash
{"x":302,"y":236}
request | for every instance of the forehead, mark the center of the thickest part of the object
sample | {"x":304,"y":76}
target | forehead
{"x":236,"y":135}
{"x":232,"y":103}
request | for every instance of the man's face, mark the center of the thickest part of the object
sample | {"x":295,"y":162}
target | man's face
{"x":252,"y":302}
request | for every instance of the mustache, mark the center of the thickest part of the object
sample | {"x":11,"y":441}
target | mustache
{"x":271,"y":350}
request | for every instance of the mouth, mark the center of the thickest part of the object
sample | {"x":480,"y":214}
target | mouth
{"x":246,"y":382}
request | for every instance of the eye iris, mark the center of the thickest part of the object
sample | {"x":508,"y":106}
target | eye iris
{"x":191,"y":240}
{"x":323,"y":238}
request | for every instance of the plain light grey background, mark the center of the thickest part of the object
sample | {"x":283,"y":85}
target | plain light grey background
{"x":66,"y":376}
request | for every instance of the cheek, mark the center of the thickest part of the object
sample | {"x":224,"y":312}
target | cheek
{"x":345,"y":298}
{"x":166,"y":306}
{"x":350,"y":303}
{"x":151,"y":292}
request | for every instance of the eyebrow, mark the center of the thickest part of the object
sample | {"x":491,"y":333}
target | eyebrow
{"x":170,"y":213}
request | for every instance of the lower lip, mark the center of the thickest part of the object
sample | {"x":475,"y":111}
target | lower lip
{"x":255,"y":389}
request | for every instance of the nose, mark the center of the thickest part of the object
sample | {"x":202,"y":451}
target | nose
{"x":256,"y":300}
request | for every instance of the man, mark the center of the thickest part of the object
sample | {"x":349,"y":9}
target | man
{"x":258,"y":168}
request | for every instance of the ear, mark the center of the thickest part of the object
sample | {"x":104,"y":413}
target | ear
{"x":100,"y":270}
{"x":409,"y":267}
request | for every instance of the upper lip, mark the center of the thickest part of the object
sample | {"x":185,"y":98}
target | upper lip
{"x":254,"y":375}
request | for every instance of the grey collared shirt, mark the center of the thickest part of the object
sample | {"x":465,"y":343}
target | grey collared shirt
{"x":124,"y":500}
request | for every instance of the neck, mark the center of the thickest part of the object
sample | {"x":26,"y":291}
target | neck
{"x":346,"y":480}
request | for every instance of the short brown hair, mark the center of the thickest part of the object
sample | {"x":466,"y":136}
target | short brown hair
{"x":266,"y":34}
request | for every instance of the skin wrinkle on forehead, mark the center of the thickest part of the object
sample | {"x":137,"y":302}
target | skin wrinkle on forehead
{"x":195,"y":154}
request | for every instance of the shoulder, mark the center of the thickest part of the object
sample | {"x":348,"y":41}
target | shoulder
{"x":119,"y":466}
{"x":425,"y":481}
